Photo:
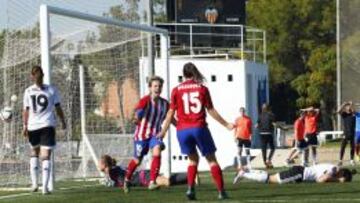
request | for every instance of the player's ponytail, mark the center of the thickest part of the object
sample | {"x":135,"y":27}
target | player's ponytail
{"x":190,"y":71}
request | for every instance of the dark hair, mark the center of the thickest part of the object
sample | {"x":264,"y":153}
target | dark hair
{"x":242,"y":108}
{"x":155,"y":78}
{"x":190,"y":71}
{"x":347,"y":174}
{"x":37,"y":69}
{"x":108,"y":160}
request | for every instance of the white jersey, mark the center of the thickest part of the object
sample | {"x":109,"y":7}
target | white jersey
{"x":312,"y":173}
{"x":41,"y":105}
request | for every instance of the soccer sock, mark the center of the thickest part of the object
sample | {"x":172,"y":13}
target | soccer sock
{"x":155,"y":167}
{"x":217,"y":177}
{"x":342,"y":148}
{"x":314,"y":157}
{"x":52,"y":175}
{"x":248,"y":158}
{"x":46,"y":167}
{"x":34,"y":171}
{"x":130,"y":170}
{"x":257,"y":175}
{"x":191,"y":175}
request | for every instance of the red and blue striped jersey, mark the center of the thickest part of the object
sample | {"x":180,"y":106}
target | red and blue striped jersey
{"x":150,"y":116}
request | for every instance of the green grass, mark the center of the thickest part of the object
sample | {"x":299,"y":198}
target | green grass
{"x":245,"y":191}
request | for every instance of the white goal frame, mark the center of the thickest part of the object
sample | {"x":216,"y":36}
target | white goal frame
{"x":45,"y":40}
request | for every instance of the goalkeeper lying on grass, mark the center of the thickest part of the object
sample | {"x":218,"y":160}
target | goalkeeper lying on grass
{"x":319,"y":173}
{"x":115,"y":175}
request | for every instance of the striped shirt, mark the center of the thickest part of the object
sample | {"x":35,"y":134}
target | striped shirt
{"x":150,"y":116}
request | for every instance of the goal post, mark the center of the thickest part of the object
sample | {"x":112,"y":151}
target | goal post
{"x":93,"y":143}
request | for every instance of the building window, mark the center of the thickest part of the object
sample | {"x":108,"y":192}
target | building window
{"x":213,"y":78}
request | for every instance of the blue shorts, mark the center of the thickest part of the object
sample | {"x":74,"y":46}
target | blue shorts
{"x":357,"y":137}
{"x":141,"y":148}
{"x":191,"y":138}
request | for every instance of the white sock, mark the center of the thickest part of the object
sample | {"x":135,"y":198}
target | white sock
{"x":52,"y":175}
{"x":46,"y":168}
{"x":257,"y":175}
{"x":34,"y":171}
{"x":248,"y":158}
{"x":238,"y":157}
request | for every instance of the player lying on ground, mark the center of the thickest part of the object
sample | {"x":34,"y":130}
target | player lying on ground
{"x":115,"y":175}
{"x":319,"y":173}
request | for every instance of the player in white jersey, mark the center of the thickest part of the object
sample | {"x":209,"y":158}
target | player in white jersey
{"x":319,"y":173}
{"x":40,"y":102}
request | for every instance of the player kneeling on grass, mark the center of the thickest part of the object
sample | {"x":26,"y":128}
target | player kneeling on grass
{"x":115,"y":175}
{"x":300,"y":143}
{"x":319,"y":173}
{"x":150,"y":112}
{"x":40,"y":101}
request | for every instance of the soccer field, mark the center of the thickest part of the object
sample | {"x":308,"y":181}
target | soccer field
{"x":245,"y":191}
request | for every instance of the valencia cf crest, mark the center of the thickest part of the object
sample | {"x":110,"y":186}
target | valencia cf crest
{"x":211,"y":15}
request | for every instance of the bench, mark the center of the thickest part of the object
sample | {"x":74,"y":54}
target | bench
{"x":323,"y":135}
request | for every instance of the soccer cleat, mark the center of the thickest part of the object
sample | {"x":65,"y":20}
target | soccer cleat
{"x":153,"y":186}
{"x":190,"y":193}
{"x":357,"y":158}
{"x":340,"y":163}
{"x":287,"y":163}
{"x":46,"y":192}
{"x":34,"y":189}
{"x":352,"y":162}
{"x":238,"y":176}
{"x":126,"y":186}
{"x":223,"y":195}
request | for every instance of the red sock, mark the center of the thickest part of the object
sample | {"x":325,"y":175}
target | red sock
{"x":155,"y":168}
{"x":191,"y":175}
{"x":130,"y":169}
{"x":217,"y":177}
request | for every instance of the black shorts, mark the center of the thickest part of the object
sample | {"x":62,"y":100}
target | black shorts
{"x":243,"y":143}
{"x":294,"y":174}
{"x":44,"y":137}
{"x":312,"y":139}
{"x":301,"y":145}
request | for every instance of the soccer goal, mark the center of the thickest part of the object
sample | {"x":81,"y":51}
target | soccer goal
{"x":94,"y":61}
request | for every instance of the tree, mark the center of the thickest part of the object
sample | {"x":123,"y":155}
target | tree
{"x":301,"y":40}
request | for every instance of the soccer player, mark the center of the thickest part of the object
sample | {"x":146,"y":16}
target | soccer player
{"x":190,"y":100}
{"x":115,"y":175}
{"x":243,"y":132}
{"x":40,"y":101}
{"x":300,"y":143}
{"x":348,"y":116}
{"x":149,"y":115}
{"x":311,"y":131}
{"x":265,"y":124}
{"x":319,"y":173}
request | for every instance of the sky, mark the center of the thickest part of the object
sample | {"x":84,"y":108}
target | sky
{"x":17,"y":13}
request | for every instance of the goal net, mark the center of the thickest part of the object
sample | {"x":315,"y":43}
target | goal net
{"x":349,"y":49}
{"x":94,"y":62}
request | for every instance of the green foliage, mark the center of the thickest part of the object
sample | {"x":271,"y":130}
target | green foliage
{"x":301,"y":41}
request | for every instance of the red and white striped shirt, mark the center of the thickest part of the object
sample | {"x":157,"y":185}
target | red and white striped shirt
{"x":150,"y":116}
